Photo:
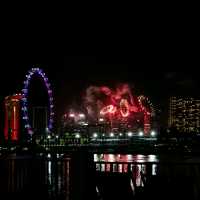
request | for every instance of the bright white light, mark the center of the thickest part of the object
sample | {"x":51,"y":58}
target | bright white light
{"x":57,"y":136}
{"x":120,"y":134}
{"x":49,"y":155}
{"x":141,"y":133}
{"x":129,"y":157}
{"x":96,"y":158}
{"x":111,"y":158}
{"x":49,"y":171}
{"x":95,"y":135}
{"x":103,"y":134}
{"x":71,"y":115}
{"x":85,"y":124}
{"x":152,"y":158}
{"x":130,"y":134}
{"x":47,"y":129}
{"x":77,"y":135}
{"x":81,"y":115}
{"x":101,"y":119}
{"x":153,"y":133}
{"x":111,"y":134}
{"x":140,"y":157}
{"x":49,"y":137}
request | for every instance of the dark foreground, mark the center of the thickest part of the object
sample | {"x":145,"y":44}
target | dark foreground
{"x":76,"y":176}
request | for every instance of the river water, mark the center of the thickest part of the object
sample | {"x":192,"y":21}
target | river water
{"x":50,"y":176}
{"x":28,"y":177}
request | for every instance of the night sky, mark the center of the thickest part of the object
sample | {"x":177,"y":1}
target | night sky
{"x":156,"y":75}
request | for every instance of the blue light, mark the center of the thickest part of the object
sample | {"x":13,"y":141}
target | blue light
{"x":40,"y":73}
{"x":24,"y":108}
{"x":24,"y":99}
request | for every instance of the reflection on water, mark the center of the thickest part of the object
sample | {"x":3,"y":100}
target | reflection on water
{"x":29,"y":176}
{"x":123,"y":163}
{"x":125,"y":158}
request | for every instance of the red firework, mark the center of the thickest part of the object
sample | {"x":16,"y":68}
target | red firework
{"x":117,"y":104}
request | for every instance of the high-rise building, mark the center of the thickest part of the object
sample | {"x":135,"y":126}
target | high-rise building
{"x":184,"y":114}
{"x":12,"y":117}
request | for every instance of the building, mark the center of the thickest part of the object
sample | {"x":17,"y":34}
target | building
{"x":12,"y":117}
{"x":184,"y":114}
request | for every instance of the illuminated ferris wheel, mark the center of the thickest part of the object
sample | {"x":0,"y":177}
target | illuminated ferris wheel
{"x":147,"y":108}
{"x":25,"y":106}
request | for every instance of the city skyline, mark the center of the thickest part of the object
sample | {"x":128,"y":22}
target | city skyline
{"x":71,"y":75}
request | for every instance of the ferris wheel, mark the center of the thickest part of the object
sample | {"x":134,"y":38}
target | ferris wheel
{"x":146,"y":105}
{"x":25,"y":105}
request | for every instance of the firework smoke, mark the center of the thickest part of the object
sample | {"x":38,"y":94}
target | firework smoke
{"x":97,"y":98}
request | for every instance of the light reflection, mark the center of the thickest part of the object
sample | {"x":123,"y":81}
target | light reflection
{"x":138,"y":176}
{"x":103,"y":167}
{"x":154,"y":169}
{"x":107,"y":167}
{"x":49,"y":172}
{"x":111,"y":158}
{"x":125,"y":158}
{"x":152,"y":158}
{"x":96,"y":157}
{"x":140,"y":158}
{"x":120,"y":168}
{"x":129,"y":157}
{"x":132,"y":186}
{"x":136,"y":169}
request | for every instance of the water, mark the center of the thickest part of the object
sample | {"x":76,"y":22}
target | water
{"x":123,"y":163}
{"x":31,"y":177}
{"x":169,"y":166}
{"x":53,"y":176}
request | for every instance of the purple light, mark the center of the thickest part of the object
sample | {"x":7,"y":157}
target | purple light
{"x":39,"y":72}
{"x":50,"y":126}
{"x":24,"y":99}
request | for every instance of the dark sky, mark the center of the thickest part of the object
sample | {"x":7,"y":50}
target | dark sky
{"x":153,"y":74}
{"x":156,"y":75}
